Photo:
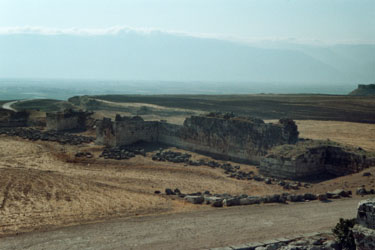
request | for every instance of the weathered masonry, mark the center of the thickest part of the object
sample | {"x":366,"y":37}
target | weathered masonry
{"x":228,"y":137}
{"x":309,"y":159}
{"x":9,"y":118}
{"x":67,"y":120}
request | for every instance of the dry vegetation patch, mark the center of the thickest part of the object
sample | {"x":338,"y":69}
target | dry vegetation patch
{"x":44,"y":184}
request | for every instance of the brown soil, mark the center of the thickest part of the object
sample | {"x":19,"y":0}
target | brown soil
{"x":42,"y":184}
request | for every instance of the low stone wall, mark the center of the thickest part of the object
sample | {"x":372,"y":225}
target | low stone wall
{"x":313,"y":160}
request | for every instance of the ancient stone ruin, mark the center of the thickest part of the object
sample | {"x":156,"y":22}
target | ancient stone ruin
{"x":225,"y":136}
{"x":309,"y":159}
{"x":9,"y":118}
{"x":67,"y":120}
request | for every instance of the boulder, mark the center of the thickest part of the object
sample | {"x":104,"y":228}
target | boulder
{"x":364,"y":231}
{"x":322,"y":197}
{"x":231,"y":202}
{"x":361,"y":191}
{"x":366,"y":213}
{"x":195,"y":199}
{"x":310,"y":197}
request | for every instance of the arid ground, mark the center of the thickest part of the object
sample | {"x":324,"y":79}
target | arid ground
{"x":44,"y":186}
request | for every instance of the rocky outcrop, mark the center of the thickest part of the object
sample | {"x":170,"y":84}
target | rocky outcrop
{"x":364,"y":231}
{"x":67,"y":120}
{"x":309,"y":159}
{"x":224,"y":136}
{"x":364,"y":90}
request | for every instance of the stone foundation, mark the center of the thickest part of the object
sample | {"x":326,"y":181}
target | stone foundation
{"x":364,"y":231}
{"x":311,"y":159}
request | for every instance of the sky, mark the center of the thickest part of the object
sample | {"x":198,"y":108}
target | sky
{"x":330,"y":21}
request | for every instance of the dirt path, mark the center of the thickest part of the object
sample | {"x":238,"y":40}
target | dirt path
{"x":193,"y":230}
{"x":8,"y":105}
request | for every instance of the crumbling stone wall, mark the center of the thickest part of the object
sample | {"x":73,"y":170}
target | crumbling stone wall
{"x":232,"y":138}
{"x":9,"y":118}
{"x":125,"y":131}
{"x":229,"y":137}
{"x":105,"y":132}
{"x":303,"y":160}
{"x":364,"y":231}
{"x":67,"y":120}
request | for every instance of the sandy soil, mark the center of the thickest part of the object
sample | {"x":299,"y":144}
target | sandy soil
{"x":194,"y":230}
{"x":42,"y":184}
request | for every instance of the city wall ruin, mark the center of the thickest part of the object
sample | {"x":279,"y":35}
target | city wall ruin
{"x":228,"y":137}
{"x":9,"y":118}
{"x":67,"y":120}
{"x":308,"y":159}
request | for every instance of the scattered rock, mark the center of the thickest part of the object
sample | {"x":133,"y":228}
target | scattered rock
{"x":169,"y":191}
{"x":194,"y":199}
{"x":83,"y":154}
{"x":322,"y":197}
{"x":55,"y":136}
{"x":122,"y":152}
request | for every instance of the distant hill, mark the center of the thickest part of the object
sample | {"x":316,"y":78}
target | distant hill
{"x":364,"y":90}
{"x":158,"y":56}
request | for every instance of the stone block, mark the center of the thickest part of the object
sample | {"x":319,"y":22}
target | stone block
{"x":195,"y":199}
{"x":366,"y":213}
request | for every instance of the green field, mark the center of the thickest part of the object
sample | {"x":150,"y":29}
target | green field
{"x":46,"y":105}
{"x":299,"y":107}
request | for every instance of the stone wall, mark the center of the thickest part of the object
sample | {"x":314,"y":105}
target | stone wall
{"x":125,"y":131}
{"x":234,"y":138}
{"x":364,"y":231}
{"x":67,"y":120}
{"x":9,"y":118}
{"x":311,"y":159}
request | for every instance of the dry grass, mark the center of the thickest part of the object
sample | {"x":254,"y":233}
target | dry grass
{"x":43,"y":184}
{"x":350,"y":133}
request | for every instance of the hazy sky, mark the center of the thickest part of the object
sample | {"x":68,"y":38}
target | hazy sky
{"x":325,"y":20}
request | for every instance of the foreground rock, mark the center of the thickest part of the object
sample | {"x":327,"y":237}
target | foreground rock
{"x":312,"y":241}
{"x":364,"y":231}
{"x":122,"y":152}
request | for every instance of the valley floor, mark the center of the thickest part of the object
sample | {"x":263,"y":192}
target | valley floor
{"x":43,"y":186}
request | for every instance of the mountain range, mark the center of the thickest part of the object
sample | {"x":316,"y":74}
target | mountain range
{"x":167,"y":56}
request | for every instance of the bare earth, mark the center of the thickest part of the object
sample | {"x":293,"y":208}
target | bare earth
{"x":193,"y":230}
{"x":43,"y":187}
